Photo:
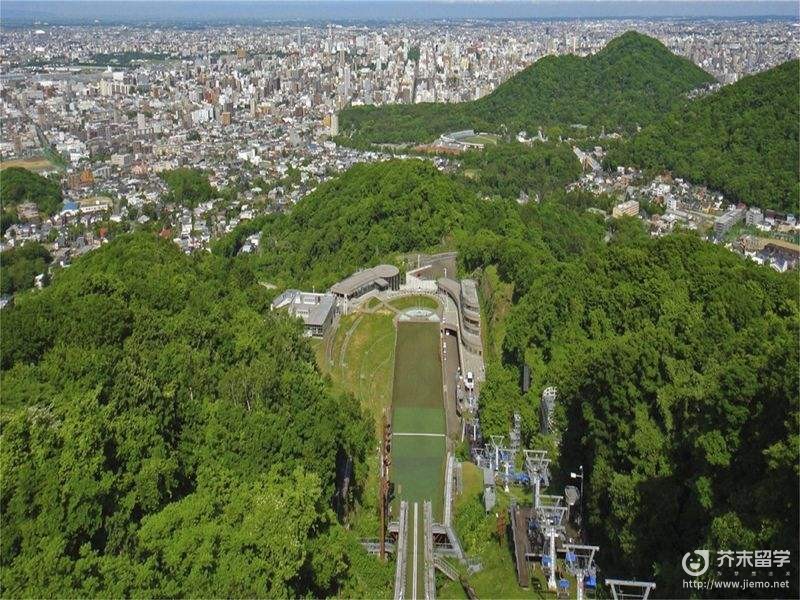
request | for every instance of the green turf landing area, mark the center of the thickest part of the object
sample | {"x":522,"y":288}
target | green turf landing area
{"x":419,"y":470}
{"x":418,"y":460}
{"x":417,"y":367}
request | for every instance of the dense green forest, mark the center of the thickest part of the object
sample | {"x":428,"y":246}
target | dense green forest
{"x":676,"y":366}
{"x":19,"y":267}
{"x":631,"y":82}
{"x":741,"y":140}
{"x":18,"y":185}
{"x":161,"y":437}
{"x":508,"y":169}
{"x":188,"y":186}
{"x":363,"y":217}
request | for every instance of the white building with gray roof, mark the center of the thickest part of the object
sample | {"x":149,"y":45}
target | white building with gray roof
{"x":315,"y":310}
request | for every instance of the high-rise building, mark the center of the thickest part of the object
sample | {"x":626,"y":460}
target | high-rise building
{"x":334,"y":124}
{"x":346,"y":89}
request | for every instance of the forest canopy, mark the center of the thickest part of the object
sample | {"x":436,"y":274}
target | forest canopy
{"x":150,"y":401}
{"x":510,"y":169}
{"x":19,"y":266}
{"x":188,"y":186}
{"x":742,"y":140}
{"x":367,"y":215}
{"x":676,"y":368}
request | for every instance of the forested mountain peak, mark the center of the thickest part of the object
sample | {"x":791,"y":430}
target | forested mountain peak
{"x":360,"y":219}
{"x":631,"y":82}
{"x":633,"y":41}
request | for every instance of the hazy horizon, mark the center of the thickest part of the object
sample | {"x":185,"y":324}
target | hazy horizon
{"x":210,"y":12}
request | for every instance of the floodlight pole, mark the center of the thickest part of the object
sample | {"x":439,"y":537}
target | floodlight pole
{"x":580,"y":476}
{"x":643,"y":588}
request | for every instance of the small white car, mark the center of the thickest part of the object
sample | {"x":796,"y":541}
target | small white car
{"x":469,"y":382}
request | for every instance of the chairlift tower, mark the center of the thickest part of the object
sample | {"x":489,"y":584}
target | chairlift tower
{"x":580,"y":562}
{"x":482,"y":458}
{"x":501,"y":458}
{"x":552,"y":514}
{"x":537,"y":464}
{"x":622,"y":589}
{"x":515,"y":434}
{"x":497,"y":442}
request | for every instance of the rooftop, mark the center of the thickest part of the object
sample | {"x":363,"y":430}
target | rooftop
{"x":347,"y":287}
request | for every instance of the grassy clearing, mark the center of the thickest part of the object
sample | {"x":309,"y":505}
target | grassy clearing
{"x":415,"y":302}
{"x":34,"y":164}
{"x":478,"y":533}
{"x":363,"y":361}
{"x":363,"y":365}
{"x":318,"y":346}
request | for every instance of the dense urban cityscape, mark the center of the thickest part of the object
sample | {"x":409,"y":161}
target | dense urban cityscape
{"x":112,"y":107}
{"x":399,"y":307}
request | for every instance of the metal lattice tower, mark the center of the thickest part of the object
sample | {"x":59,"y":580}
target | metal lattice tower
{"x":515,"y":434}
{"x":538,"y":466}
{"x":546,"y":408}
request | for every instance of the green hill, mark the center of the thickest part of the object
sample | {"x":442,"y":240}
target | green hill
{"x":742,"y":140}
{"x":366,"y":215}
{"x":18,"y":185}
{"x":630,"y":82}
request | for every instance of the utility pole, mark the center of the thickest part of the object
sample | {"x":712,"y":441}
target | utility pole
{"x":583,"y":522}
{"x":385,"y":461}
{"x":501,"y":527}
